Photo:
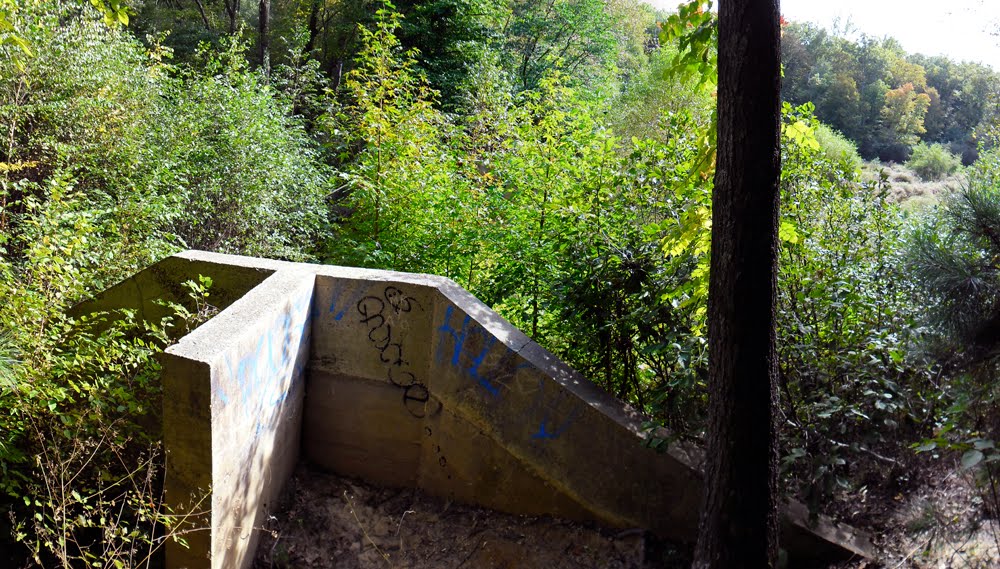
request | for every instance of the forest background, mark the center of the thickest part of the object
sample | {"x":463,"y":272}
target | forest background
{"x":554,"y":158}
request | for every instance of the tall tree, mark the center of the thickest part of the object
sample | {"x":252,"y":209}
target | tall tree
{"x":264,"y":40}
{"x":739,"y":518}
{"x":571,"y":35}
{"x":233,"y":12}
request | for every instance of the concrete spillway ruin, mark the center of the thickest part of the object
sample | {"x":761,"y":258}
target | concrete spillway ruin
{"x":402,"y":380}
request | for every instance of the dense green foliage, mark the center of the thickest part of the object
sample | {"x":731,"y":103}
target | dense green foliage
{"x":884,"y":99}
{"x":552,"y":157}
{"x":933,"y":161}
{"x":113,"y":158}
{"x":954,"y":251}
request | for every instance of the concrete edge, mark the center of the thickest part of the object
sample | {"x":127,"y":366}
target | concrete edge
{"x":224,"y":330}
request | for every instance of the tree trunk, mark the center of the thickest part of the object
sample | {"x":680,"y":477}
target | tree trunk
{"x":233,"y":11}
{"x":313,"y":26}
{"x":204,"y":17}
{"x":739,"y":527}
{"x":264,"y":28}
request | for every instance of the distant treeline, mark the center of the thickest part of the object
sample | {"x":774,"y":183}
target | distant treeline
{"x":885,"y":99}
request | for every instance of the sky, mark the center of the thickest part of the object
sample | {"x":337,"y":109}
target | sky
{"x":964,"y":30}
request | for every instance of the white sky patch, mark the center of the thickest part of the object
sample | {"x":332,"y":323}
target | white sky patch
{"x":964,"y":30}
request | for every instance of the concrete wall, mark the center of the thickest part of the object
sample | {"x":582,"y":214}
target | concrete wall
{"x":233,"y":400}
{"x":414,"y":382}
{"x":406,"y":380}
{"x":232,"y":278}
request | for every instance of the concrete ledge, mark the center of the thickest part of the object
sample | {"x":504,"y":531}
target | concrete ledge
{"x":404,"y":380}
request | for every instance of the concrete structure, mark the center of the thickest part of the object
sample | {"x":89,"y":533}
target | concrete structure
{"x":402,"y":380}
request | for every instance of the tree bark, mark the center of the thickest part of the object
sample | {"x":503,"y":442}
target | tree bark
{"x":233,"y":11}
{"x":264,"y":27}
{"x":739,"y":525}
{"x":313,"y":25}
{"x":204,"y":17}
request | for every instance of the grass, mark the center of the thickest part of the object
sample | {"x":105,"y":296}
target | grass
{"x":906,"y":187}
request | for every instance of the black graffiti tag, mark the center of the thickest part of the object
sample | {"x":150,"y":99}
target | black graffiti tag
{"x":372,"y":310}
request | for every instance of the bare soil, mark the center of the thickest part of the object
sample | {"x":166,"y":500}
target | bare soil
{"x":333,"y":522}
{"x":926,"y":513}
{"x":940,"y":517}
{"x":946,"y":522}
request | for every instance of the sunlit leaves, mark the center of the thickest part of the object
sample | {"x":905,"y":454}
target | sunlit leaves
{"x":694,"y":27}
{"x":115,"y":11}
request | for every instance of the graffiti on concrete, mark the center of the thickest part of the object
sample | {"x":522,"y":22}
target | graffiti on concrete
{"x":343,"y":298}
{"x":471,"y":345}
{"x":493,"y":366}
{"x":261,"y":378}
{"x":548,"y":428}
{"x":377,"y":312}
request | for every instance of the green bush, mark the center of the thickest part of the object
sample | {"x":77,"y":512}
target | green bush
{"x":954,"y":254}
{"x":75,"y":116}
{"x":238,"y":173}
{"x":933,"y":161}
{"x":112,"y":158}
{"x":836,"y":147}
{"x":78,"y":458}
{"x":846,"y":325}
{"x":954,"y":260}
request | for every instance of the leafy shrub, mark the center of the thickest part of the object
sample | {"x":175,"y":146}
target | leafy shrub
{"x":404,"y":193}
{"x":79,"y":456}
{"x":954,"y":254}
{"x":953,"y":258}
{"x":75,"y":114}
{"x":108,"y":153}
{"x":658,"y":91}
{"x":836,"y":147}
{"x":933,"y":161}
{"x":239,"y":173}
{"x":848,"y":377}
{"x":206,"y":156}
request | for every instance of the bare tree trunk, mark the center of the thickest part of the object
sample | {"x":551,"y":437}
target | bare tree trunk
{"x":233,"y":11}
{"x":739,"y":527}
{"x":204,"y":17}
{"x":313,"y":26}
{"x":264,"y":28}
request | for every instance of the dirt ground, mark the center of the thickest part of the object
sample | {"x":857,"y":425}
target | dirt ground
{"x":335,"y":522}
{"x":942,"y":520}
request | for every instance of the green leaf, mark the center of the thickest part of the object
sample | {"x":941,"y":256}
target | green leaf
{"x":971,"y":458}
{"x":23,"y":44}
{"x":787,"y":232}
{"x":802,"y":134}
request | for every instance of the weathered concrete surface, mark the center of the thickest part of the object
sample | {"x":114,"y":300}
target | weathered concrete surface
{"x":163,"y":281}
{"x":443,"y":394}
{"x":240,"y":379}
{"x":408,"y":380}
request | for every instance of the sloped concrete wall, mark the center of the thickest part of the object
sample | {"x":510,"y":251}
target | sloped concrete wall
{"x":414,"y":382}
{"x":406,"y":380}
{"x":232,"y":278}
